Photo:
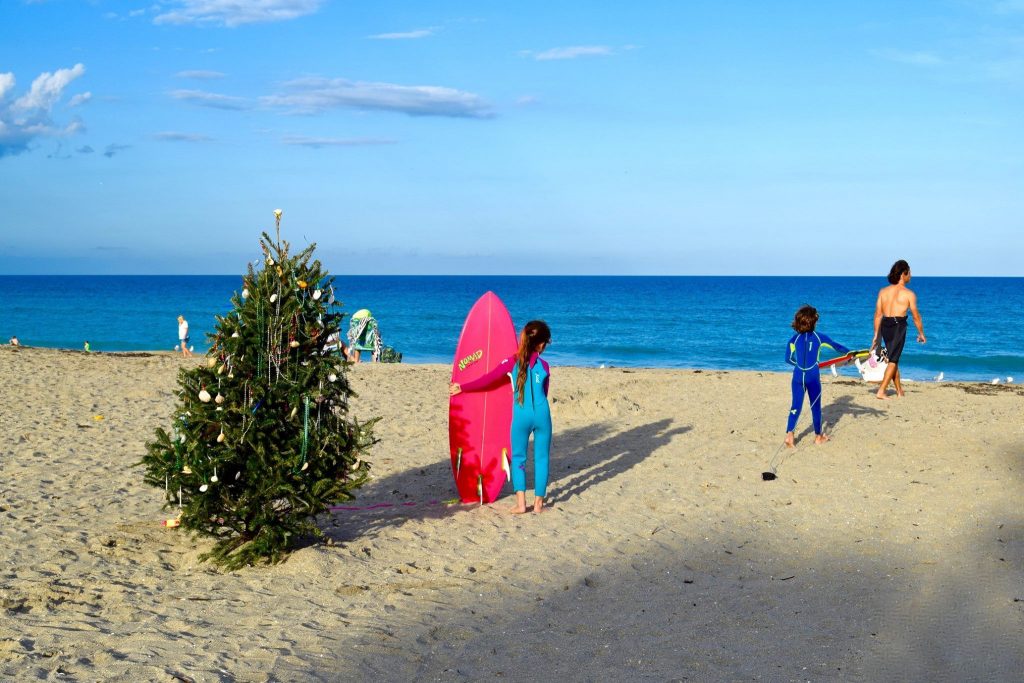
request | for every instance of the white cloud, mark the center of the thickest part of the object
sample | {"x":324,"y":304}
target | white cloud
{"x":907,"y":57}
{"x":210,"y":99}
{"x":233,"y":13}
{"x":172,"y":136}
{"x":573,"y":52}
{"x":28,"y":117}
{"x":200,"y":75}
{"x":407,"y":35}
{"x":317,"y":143}
{"x":315,"y":95}
{"x":47,"y":89}
{"x":6,"y":84}
{"x":80,"y":99}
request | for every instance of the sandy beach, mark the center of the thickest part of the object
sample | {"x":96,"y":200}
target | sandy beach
{"x":893,"y":552}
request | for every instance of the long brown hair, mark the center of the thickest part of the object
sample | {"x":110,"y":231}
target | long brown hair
{"x":534,"y":334}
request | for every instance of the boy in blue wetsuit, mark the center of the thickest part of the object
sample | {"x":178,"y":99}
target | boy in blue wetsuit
{"x":802,"y":352}
{"x":531,"y":414}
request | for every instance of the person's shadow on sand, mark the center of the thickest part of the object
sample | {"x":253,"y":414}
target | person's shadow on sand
{"x":422,"y":493}
{"x":834,"y":412}
{"x":596,"y":461}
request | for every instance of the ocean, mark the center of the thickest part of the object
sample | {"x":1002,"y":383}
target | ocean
{"x":974,"y":326}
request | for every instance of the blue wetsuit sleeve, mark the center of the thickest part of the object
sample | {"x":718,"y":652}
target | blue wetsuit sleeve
{"x":791,"y":350}
{"x":834,"y":345}
{"x":547,"y":380}
{"x":491,"y":378}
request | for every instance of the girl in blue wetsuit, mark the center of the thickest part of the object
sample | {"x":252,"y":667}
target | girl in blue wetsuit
{"x":802,"y":352}
{"x":531,"y":378}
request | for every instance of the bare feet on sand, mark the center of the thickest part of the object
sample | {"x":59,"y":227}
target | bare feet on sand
{"x":882,"y":397}
{"x":520,"y":507}
{"x":789,"y":440}
{"x":821,"y":438}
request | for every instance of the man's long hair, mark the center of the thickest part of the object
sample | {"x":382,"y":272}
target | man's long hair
{"x":897,"y":271}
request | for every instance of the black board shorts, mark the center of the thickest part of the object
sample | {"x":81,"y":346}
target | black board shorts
{"x":894,"y":334}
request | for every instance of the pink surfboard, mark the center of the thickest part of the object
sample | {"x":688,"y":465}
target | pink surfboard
{"x":480,"y":422}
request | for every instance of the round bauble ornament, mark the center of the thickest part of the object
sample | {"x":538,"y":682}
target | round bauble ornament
{"x":210,"y":362}
{"x":219,"y":399}
{"x":204,"y":395}
{"x":245,"y":293}
{"x":270,"y":261}
{"x":186,"y":470}
{"x":294,"y":344}
{"x":220,"y":438}
{"x":273,"y":298}
{"x":234,"y":335}
{"x":203,"y":488}
{"x":332,"y":377}
{"x":317,"y":294}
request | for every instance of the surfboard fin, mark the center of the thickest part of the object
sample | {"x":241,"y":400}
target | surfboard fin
{"x":480,"y":487}
{"x":458,"y":465}
{"x":505,"y":467}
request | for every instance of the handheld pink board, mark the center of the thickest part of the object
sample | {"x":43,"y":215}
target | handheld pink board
{"x":480,"y":422}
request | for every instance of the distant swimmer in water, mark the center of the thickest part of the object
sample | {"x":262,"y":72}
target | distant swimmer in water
{"x":802,"y":353}
{"x":891,"y":324}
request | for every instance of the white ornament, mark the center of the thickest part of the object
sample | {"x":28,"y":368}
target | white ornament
{"x":316,"y":294}
{"x":305,"y":466}
{"x":270,"y":261}
{"x":220,"y":439}
{"x":294,"y":344}
{"x":238,"y":475}
{"x":332,"y":377}
{"x":203,"y":488}
{"x":245,"y":293}
{"x":234,"y":335}
{"x":219,"y":399}
{"x":204,"y":396}
{"x":273,"y":298}
{"x":210,"y":362}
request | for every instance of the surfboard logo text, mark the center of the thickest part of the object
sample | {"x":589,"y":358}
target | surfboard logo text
{"x":470,"y":359}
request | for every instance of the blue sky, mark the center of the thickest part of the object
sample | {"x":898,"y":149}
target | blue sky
{"x":666,"y":137}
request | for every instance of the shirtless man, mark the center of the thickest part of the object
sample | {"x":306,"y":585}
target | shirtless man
{"x":891,"y":323}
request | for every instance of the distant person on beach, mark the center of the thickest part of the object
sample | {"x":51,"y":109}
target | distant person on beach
{"x":531,"y":379}
{"x":802,"y":353}
{"x":891,"y":324}
{"x":363,"y":336}
{"x":183,"y":336}
{"x":85,"y":347}
{"x":14,"y":341}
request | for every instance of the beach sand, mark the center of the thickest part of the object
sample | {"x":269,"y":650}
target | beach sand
{"x":894,"y":552}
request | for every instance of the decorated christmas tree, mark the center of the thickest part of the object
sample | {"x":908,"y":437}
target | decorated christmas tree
{"x":262,"y":440}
